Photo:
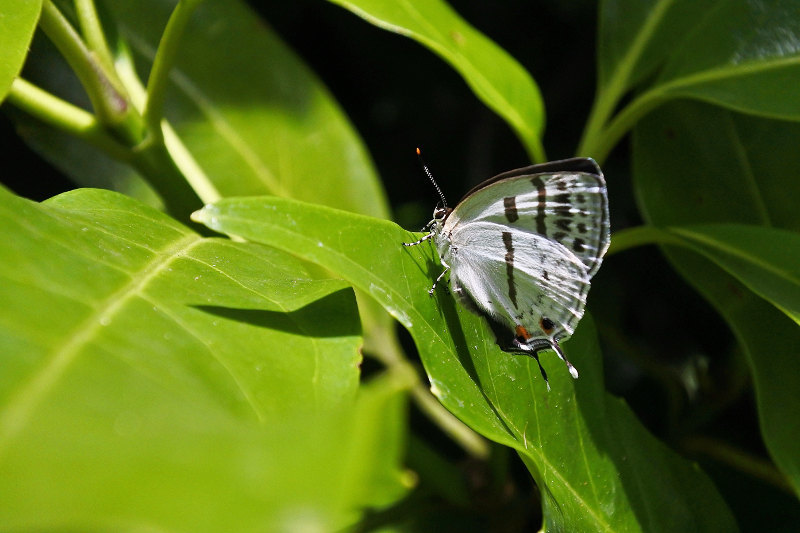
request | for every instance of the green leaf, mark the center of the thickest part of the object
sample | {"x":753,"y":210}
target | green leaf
{"x":18,"y":19}
{"x":750,"y":57}
{"x":254,"y":117}
{"x":695,"y":164}
{"x":734,"y":53}
{"x":146,"y":367}
{"x":635,"y":38}
{"x":766,"y":260}
{"x":493,"y":75}
{"x":248,"y":111}
{"x":596,"y":466}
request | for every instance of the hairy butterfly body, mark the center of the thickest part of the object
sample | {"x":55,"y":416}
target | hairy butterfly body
{"x":522,"y":248}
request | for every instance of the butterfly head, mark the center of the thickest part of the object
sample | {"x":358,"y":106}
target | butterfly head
{"x":440,"y":213}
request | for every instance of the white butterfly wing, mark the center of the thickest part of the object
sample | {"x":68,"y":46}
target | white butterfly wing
{"x":518,"y":277}
{"x":525,"y":244}
{"x":567,"y":206}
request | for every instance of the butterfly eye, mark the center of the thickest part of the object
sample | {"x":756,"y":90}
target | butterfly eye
{"x":547,"y":325}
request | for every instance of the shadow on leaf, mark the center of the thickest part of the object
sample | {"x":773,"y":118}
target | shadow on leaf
{"x":334,"y":315}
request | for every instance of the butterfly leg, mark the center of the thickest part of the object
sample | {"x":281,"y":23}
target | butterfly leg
{"x":420,"y":241}
{"x":433,"y":288}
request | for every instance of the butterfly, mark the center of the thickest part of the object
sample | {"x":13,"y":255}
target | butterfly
{"x":522,"y":247}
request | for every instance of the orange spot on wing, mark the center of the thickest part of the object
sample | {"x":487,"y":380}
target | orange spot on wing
{"x":522,"y":332}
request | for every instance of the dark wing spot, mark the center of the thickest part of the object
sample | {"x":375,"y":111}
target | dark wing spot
{"x":547,"y":325}
{"x":563,"y":223}
{"x":546,"y":275}
{"x":510,"y":205}
{"x":578,"y":245}
{"x":581,"y":227}
{"x":563,"y":211}
{"x":512,"y":288}
{"x":564,"y":198}
{"x":579,"y":198}
{"x":541,"y":192}
{"x":559,"y":236}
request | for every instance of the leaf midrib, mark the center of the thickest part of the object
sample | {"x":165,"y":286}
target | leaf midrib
{"x":738,"y":253}
{"x":21,"y":405}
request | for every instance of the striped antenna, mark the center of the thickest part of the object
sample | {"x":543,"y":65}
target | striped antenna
{"x":430,"y":177}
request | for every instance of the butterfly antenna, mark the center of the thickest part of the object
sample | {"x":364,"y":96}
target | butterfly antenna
{"x":430,"y":177}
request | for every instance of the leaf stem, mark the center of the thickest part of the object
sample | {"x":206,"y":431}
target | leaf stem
{"x":601,"y":145}
{"x":640,"y":236}
{"x":93,"y":32}
{"x":66,"y":117}
{"x":181,"y":155}
{"x":388,"y":352}
{"x":465,"y":437}
{"x":162,"y":63}
{"x":106,"y":94}
{"x":738,"y":459}
{"x":593,"y":142}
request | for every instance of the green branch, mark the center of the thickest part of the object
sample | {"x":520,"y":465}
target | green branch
{"x":641,"y":236}
{"x":165,"y":58}
{"x":107,"y":97}
{"x":65,"y":117}
{"x":738,"y":460}
{"x":600,"y":143}
{"x":93,"y":32}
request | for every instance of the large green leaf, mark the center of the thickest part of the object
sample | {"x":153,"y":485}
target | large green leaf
{"x":597,"y":468}
{"x":749,"y":60}
{"x":635,"y":37}
{"x":695,"y":164}
{"x":155,"y":377}
{"x":493,"y":75}
{"x":18,"y":19}
{"x":253,"y":115}
{"x":244,"y":106}
{"x":766,"y":260}
{"x":739,"y":54}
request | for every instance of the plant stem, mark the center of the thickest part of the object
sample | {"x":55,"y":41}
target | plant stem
{"x":602,"y":144}
{"x":165,"y":58}
{"x":93,"y":32}
{"x":387,"y":351}
{"x":155,"y":162}
{"x":182,"y":157}
{"x":739,"y":460}
{"x":107,"y":96}
{"x":66,"y":117}
{"x":594,"y":142}
{"x":640,"y":236}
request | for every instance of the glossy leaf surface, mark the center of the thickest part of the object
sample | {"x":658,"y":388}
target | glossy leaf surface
{"x":145,"y":367}
{"x":598,"y":469}
{"x":695,"y":164}
{"x":17,"y":21}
